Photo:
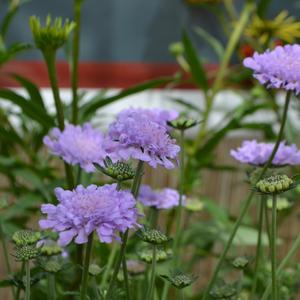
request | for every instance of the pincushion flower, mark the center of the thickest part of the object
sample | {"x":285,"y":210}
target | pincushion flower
{"x":279,"y":68}
{"x":137,"y":135}
{"x":81,"y":145}
{"x":84,"y":210}
{"x":161,"y":199}
{"x":257,"y":154}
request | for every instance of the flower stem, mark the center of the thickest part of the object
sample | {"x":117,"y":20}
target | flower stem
{"x":152,"y":278}
{"x":27,"y":282}
{"x":19,"y":289}
{"x":134,"y":190}
{"x":110,"y":261}
{"x":75,"y":59}
{"x":282,"y":265}
{"x":248,"y":201}
{"x":51,"y":286}
{"x":181,"y":294}
{"x":86,"y":265}
{"x":125,"y":273}
{"x":176,"y":246}
{"x":273,"y":247}
{"x":258,"y":247}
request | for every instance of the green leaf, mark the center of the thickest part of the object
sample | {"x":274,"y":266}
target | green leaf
{"x":196,"y":67}
{"x":211,"y":41}
{"x":88,"y":109}
{"x":186,"y":104}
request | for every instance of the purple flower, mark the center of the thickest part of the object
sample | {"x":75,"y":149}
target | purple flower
{"x":136,"y":135}
{"x":279,"y":68}
{"x":257,"y":154}
{"x":79,"y":145}
{"x":161,"y":199}
{"x":84,"y":210}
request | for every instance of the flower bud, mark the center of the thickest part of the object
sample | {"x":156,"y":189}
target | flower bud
{"x":53,"y":35}
{"x":281,"y":203}
{"x":119,"y":171}
{"x":240,"y":262}
{"x":146,"y":255}
{"x":50,"y":247}
{"x":275,"y":184}
{"x":94,"y":270}
{"x":176,"y":48}
{"x":179,"y":279}
{"x":152,"y":236}
{"x":182,"y":123}
{"x":26,"y":237}
{"x":225,"y":291}
{"x":135,"y":267}
{"x":52,"y":265}
{"x":26,"y":252}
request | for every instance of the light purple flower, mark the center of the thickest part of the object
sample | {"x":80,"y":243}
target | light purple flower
{"x":81,"y":145}
{"x":84,"y":210}
{"x":279,"y":68}
{"x":136,"y":135}
{"x":257,"y":154}
{"x":161,"y":199}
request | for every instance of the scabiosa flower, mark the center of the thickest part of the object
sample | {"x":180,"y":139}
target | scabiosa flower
{"x":137,"y":136}
{"x":279,"y":68}
{"x":78,"y":145}
{"x":84,"y":210}
{"x":161,"y":199}
{"x":257,"y":154}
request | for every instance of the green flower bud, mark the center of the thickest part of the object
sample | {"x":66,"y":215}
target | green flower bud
{"x":135,"y":267}
{"x":225,"y":291}
{"x":183,"y":123}
{"x":275,"y":184}
{"x":176,"y":48}
{"x":50,"y":248}
{"x":3,"y":203}
{"x":281,"y":203}
{"x":53,"y":35}
{"x":152,"y":236}
{"x":26,"y":252}
{"x":51,"y":265}
{"x":240,"y":262}
{"x":194,"y":204}
{"x":179,"y":279}
{"x":146,"y":255}
{"x":119,"y":171}
{"x":26,"y":237}
{"x":94,"y":270}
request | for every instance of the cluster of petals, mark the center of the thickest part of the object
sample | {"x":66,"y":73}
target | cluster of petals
{"x":81,"y":145}
{"x":139,"y":136}
{"x":160,"y":199}
{"x":257,"y":154}
{"x":279,"y":68}
{"x":82,"y":211}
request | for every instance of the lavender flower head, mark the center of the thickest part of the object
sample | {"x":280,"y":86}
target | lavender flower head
{"x":137,"y":135}
{"x":279,"y":68}
{"x":78,"y":145}
{"x":257,"y":154}
{"x":162,"y":199}
{"x":84,"y":210}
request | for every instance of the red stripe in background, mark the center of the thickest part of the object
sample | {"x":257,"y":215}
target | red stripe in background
{"x":91,"y":74}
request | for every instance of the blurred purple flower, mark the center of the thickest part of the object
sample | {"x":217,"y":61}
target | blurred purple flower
{"x":161,"y":199}
{"x":84,"y":210}
{"x":139,"y":136}
{"x":279,"y":68}
{"x":257,"y":154}
{"x":81,"y":145}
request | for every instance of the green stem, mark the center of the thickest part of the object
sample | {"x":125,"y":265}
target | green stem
{"x":27,"y":282}
{"x":75,"y":59}
{"x":153,"y":218}
{"x":267,"y":223}
{"x":51,"y":286}
{"x":96,"y":289}
{"x":125,"y":274}
{"x":152,"y":278}
{"x":258,"y":247}
{"x":176,"y":247}
{"x":282,"y":265}
{"x":248,"y":201}
{"x":86,"y":265}
{"x":181,"y":294}
{"x":273,"y":247}
{"x":110,"y":261}
{"x":134,"y":190}
{"x":19,"y":288}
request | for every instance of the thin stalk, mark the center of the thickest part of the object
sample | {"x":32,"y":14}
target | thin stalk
{"x":248,"y":201}
{"x":282,"y":265}
{"x":181,"y":294}
{"x":134,"y":190}
{"x":176,"y":246}
{"x":51,"y":287}
{"x":75,"y":59}
{"x":273,"y":247}
{"x":110,"y":261}
{"x":258,"y":247}
{"x":86,"y":265}
{"x":96,"y":289}
{"x":125,"y":275}
{"x":21,"y":273}
{"x":152,"y":278}
{"x":267,"y":223}
{"x":153,"y":218}
{"x":27,"y":282}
